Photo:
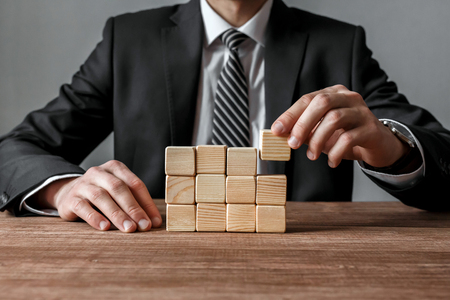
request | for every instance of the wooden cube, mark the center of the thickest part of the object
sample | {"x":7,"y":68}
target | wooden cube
{"x":210,"y":188}
{"x":241,"y":190}
{"x":180,"y":217}
{"x":241,"y":161}
{"x":180,"y":161}
{"x":271,"y":189}
{"x":270,"y":218}
{"x":180,"y":190}
{"x":211,"y":159}
{"x":272,"y":147}
{"x":211,"y":217}
{"x":241,"y":217}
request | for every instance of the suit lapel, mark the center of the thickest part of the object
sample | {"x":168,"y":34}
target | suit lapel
{"x":285,"y":47}
{"x":182,"y":52}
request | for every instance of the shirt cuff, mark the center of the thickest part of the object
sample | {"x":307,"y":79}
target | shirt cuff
{"x":44,"y":212}
{"x":404,"y":180}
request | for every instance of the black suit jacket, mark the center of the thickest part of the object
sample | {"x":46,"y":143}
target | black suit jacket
{"x":141,"y":82}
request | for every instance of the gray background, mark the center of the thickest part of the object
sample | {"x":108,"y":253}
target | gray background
{"x":43,"y":43}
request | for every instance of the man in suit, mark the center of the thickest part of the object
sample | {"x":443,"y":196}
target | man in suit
{"x":155,"y":81}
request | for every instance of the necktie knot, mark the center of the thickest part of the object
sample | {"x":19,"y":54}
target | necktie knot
{"x":233,"y":38}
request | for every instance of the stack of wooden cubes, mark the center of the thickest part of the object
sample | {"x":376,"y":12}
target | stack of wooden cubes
{"x":215,"y":188}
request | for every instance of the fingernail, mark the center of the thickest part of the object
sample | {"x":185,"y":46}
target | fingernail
{"x":143,"y":224}
{"x":156,"y":221}
{"x":293,"y":142}
{"x":127,"y":225}
{"x":103,"y":225}
{"x":310,"y":155}
{"x":331,"y":164}
{"x":278,"y":127}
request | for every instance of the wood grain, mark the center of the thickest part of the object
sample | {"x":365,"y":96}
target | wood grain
{"x":271,"y":189}
{"x":241,"y":190}
{"x":270,"y":218}
{"x":180,"y":161}
{"x":241,"y":217}
{"x":241,"y":161}
{"x":211,"y":217}
{"x":180,"y":190}
{"x":382,"y":250}
{"x":210,"y":188}
{"x":180,"y":217}
{"x":211,"y":159}
{"x":272,"y":147}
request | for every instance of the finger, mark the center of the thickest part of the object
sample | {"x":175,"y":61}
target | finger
{"x":345,"y":118}
{"x":284,"y":124}
{"x":332,"y":140}
{"x":101,"y":199}
{"x":119,"y":191}
{"x":344,"y":146}
{"x":86,"y":212}
{"x":318,"y":108}
{"x":139,"y":191}
{"x":286,"y":121}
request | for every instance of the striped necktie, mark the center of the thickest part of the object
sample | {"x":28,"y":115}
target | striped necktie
{"x":231,"y":114}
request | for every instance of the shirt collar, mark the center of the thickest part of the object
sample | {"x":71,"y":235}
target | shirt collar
{"x":254,"y":28}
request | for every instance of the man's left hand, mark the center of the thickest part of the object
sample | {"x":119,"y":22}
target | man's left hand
{"x":338,"y":122}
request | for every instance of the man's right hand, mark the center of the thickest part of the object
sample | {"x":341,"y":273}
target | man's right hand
{"x":111,"y":188}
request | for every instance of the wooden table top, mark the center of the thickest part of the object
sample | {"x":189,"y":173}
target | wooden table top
{"x":330,"y":251}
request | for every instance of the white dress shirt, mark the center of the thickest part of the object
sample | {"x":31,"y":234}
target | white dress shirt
{"x":215,"y":55}
{"x":251,"y":54}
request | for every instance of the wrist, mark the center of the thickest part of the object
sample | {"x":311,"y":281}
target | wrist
{"x":47,"y":197}
{"x":410,"y":161}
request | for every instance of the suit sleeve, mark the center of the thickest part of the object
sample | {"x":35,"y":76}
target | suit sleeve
{"x":55,"y":139}
{"x":383,"y":99}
